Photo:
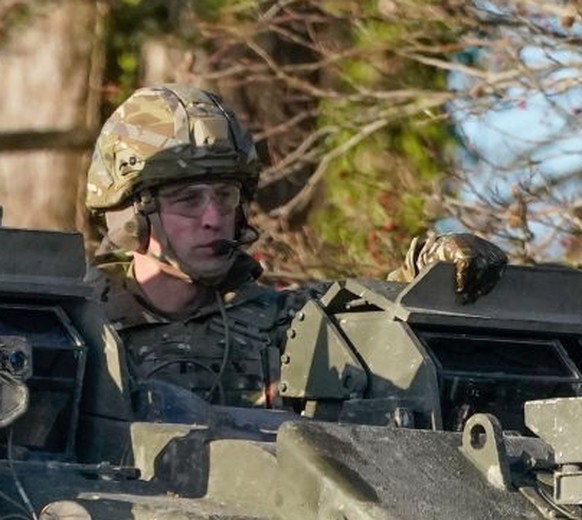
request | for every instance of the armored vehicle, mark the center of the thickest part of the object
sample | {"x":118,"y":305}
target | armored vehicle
{"x":407,"y":405}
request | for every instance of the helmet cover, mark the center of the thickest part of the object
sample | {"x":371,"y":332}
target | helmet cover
{"x":168,"y":134}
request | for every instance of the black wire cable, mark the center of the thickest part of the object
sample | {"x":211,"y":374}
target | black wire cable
{"x":165,"y":364}
{"x":19,"y":486}
{"x":14,"y":503}
{"x":226,"y":354}
{"x":217,"y":384}
{"x":561,"y":509}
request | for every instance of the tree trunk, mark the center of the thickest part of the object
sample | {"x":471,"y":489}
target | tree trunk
{"x":51,"y":69}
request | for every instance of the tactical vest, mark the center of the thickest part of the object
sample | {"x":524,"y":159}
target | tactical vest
{"x":236,"y":362}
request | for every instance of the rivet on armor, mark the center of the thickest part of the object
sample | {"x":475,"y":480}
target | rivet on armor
{"x":300,"y":316}
{"x":291,"y":333}
{"x":285,"y":359}
{"x":282,"y":387}
{"x":229,"y":296}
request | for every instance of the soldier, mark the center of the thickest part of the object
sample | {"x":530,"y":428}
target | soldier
{"x":173,"y":173}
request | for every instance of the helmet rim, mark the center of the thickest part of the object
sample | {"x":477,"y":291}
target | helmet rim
{"x":165,"y":134}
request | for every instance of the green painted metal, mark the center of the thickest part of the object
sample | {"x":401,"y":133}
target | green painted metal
{"x":429,"y":407}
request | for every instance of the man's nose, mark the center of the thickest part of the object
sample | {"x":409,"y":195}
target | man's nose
{"x":212,"y":217}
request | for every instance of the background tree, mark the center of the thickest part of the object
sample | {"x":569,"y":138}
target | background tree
{"x":517,"y":113}
{"x":349,"y":126}
{"x":50,"y":62}
{"x":359,"y":110}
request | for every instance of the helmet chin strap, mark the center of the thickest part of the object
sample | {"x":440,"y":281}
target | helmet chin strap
{"x":169,"y":260}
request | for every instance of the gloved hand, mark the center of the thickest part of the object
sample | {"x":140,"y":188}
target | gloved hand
{"x":478,"y":263}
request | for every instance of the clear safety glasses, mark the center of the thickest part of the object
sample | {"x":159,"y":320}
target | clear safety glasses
{"x":190,"y":200}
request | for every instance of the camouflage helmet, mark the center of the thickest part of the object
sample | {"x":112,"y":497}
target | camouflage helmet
{"x":164,"y":134}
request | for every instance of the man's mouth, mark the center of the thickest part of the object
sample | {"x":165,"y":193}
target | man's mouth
{"x":207,"y":250}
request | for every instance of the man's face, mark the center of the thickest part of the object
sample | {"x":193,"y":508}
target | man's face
{"x":194,"y":216}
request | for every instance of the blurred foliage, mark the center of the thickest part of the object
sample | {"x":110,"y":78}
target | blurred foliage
{"x":15,"y":14}
{"x":315,"y":82}
{"x":375,"y":192}
{"x":331,"y":66}
{"x":347,"y":102}
{"x":129,"y":23}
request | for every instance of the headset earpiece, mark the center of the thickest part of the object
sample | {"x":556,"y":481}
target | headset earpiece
{"x":244,"y":234}
{"x":128,"y":229}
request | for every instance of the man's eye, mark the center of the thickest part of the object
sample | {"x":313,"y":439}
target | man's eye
{"x":223,"y":194}
{"x":191,"y":198}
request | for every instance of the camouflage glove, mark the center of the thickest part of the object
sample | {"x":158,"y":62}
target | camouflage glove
{"x":478,"y":263}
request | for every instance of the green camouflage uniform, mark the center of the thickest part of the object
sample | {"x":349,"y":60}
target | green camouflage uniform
{"x":189,"y":349}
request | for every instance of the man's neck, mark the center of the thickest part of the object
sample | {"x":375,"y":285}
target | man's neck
{"x":166,"y":292}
